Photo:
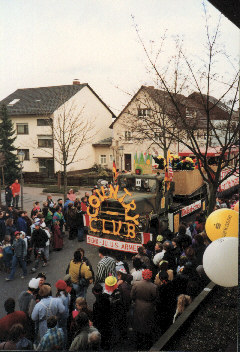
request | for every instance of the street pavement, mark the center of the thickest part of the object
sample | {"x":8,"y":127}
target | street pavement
{"x":56,"y":268}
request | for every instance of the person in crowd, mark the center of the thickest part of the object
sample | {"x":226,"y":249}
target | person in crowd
{"x":21,"y":223}
{"x":137,"y":270}
{"x":199,"y":223}
{"x":28,"y":222}
{"x":20,"y":253}
{"x":117,"y":312}
{"x":94,"y":341}
{"x":58,"y":216}
{"x":2,"y":226}
{"x":125,"y":289}
{"x":191,"y":258}
{"x":176,"y":249}
{"x":169,"y":256}
{"x":144,"y":295}
{"x":47,"y":307}
{"x":65,"y":297}
{"x":80,"y":274}
{"x":71,"y":195}
{"x":184,"y":240}
{"x":57,"y":236}
{"x":159,"y":253}
{"x":72,"y":221}
{"x":38,"y":241}
{"x":16,"y":340}
{"x":163,"y":266}
{"x":48,"y":215}
{"x":166,"y":301}
{"x":80,"y":306}
{"x":36,"y":209}
{"x":87,"y":262}
{"x":183,"y":302}
{"x":143,"y":257}
{"x":27,"y":299}
{"x":8,"y":195}
{"x":27,"y":302}
{"x":54,"y":338}
{"x":121,"y":263}
{"x":106,"y":266}
{"x":84,"y":203}
{"x":50,"y":201}
{"x":71,"y":291}
{"x":80,"y":222}
{"x":7,"y":253}
{"x":101,"y":308}
{"x":199,"y":248}
{"x":16,"y":193}
{"x":80,"y":342}
{"x":12,"y":317}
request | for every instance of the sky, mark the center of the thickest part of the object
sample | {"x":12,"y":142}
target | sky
{"x":51,"y":42}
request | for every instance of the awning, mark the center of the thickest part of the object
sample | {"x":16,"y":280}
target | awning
{"x":210,"y":152}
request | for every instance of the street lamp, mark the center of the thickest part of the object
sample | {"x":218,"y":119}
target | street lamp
{"x":121,"y":150}
{"x":21,"y":156}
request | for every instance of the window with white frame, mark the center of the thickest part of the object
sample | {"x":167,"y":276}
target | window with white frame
{"x":103,"y":159}
{"x":144,"y":112}
{"x":110,"y":158}
{"x":128,"y":135}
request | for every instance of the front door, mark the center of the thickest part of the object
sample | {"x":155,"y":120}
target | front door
{"x":46,"y":166}
{"x":128,"y":162}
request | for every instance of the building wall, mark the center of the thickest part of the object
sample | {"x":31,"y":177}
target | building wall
{"x":30,"y":141}
{"x":109,"y":156}
{"x":92,"y":110}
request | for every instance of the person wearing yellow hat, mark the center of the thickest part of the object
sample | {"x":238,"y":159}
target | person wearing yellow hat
{"x":116,"y":310}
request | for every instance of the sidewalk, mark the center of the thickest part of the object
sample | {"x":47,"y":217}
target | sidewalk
{"x":33,"y":194}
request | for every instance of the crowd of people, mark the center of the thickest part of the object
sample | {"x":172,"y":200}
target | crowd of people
{"x":139,"y":302}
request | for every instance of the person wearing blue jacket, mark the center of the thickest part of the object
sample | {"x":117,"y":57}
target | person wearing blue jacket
{"x":21,"y":223}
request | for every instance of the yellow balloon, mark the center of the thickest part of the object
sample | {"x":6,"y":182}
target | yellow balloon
{"x":236,"y":207}
{"x":222,"y":223}
{"x":1,"y":255}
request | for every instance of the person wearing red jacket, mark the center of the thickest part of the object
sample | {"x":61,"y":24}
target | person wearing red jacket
{"x":16,"y":192}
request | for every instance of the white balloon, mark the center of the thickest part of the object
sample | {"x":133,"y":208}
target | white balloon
{"x":220,"y":261}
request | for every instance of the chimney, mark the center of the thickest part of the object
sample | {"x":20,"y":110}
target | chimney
{"x":76,"y":81}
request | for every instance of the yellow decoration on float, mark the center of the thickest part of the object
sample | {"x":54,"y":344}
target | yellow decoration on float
{"x":95,"y":204}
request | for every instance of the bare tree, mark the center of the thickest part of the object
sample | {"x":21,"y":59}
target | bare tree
{"x":70,"y":130}
{"x":214,"y":118}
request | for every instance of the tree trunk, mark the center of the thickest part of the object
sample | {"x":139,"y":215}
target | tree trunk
{"x":65,"y":182}
{"x":212,"y":198}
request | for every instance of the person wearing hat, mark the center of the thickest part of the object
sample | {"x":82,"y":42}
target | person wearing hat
{"x":44,"y":309}
{"x":117,"y":312}
{"x":144,"y":295}
{"x":27,"y":299}
{"x":65,"y":297}
{"x":27,"y":302}
{"x":20,"y":253}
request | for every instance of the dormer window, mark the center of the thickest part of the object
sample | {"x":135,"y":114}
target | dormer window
{"x":144,"y":112}
{"x":14,"y":101}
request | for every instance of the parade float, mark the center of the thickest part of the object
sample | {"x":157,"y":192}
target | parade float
{"x":129,"y":214}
